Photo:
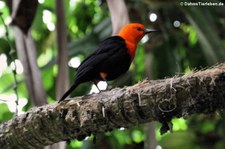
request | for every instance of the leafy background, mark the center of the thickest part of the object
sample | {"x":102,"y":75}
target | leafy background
{"x":197,"y":42}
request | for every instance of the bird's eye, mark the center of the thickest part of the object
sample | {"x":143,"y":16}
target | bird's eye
{"x":139,"y":29}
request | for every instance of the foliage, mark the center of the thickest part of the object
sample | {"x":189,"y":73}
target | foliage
{"x":199,"y":41}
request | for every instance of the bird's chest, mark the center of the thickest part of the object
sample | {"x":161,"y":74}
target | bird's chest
{"x":131,"y":49}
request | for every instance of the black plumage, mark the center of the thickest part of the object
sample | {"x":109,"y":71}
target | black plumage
{"x":111,"y":57}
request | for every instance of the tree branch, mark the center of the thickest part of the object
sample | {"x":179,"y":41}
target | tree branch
{"x":160,"y":100}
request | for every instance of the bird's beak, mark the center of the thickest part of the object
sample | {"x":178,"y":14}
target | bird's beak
{"x":147,"y":31}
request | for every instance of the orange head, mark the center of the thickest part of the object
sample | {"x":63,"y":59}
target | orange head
{"x":132,"y":34}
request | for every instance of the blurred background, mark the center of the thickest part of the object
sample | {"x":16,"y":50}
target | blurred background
{"x":47,"y":40}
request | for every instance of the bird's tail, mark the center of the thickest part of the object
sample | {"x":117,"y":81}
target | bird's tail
{"x":67,"y":93}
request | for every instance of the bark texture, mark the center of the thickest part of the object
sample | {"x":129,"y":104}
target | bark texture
{"x":160,"y":100}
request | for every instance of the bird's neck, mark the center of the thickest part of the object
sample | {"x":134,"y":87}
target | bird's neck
{"x":131,"y":42}
{"x":131,"y":47}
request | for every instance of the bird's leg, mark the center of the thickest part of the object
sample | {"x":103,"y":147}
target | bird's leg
{"x":103,"y":76}
{"x":96,"y":84}
{"x":97,"y":87}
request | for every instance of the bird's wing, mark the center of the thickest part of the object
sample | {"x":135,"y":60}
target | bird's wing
{"x":105,"y":49}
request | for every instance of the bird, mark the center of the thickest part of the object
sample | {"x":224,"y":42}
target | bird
{"x":112,"y":57}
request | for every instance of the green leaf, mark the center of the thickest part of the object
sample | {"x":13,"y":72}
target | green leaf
{"x":6,"y":81}
{"x":5,"y":114}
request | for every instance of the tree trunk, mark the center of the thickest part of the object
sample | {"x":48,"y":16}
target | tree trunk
{"x":26,"y":49}
{"x":150,"y":140}
{"x":27,"y":55}
{"x":62,"y":77}
{"x":160,"y":100}
{"x":119,"y":14}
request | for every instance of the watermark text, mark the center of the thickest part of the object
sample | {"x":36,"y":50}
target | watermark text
{"x":204,"y":4}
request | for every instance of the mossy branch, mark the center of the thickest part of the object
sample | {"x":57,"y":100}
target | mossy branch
{"x":160,"y":100}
